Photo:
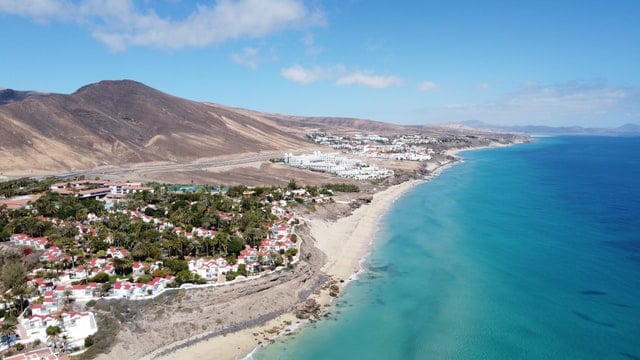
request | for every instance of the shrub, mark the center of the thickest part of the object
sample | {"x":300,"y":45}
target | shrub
{"x":88,"y":341}
{"x":231,"y":275}
{"x":162,"y":272}
{"x":176,"y":265}
{"x":101,"y":277}
{"x":144,"y":278}
{"x":342,"y":187}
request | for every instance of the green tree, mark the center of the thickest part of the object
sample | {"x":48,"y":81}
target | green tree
{"x":13,"y":274}
{"x":312,"y":190}
{"x":123,"y":265}
{"x":221,"y":242}
{"x":67,"y":296}
{"x":101,"y":277}
{"x":242,"y":269}
{"x":176,"y":265}
{"x":53,"y":334}
{"x":8,"y":329}
{"x":20,"y":291}
{"x":184,"y":276}
{"x":235,"y":245}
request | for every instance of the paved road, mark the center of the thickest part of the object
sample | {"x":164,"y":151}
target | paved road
{"x":155,"y":168}
{"x":178,"y":166}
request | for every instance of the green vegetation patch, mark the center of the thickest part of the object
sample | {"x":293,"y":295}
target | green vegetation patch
{"x":342,"y":187}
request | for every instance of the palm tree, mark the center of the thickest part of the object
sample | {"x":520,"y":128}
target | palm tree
{"x":53,"y":334}
{"x":67,"y":296}
{"x":20,"y":290}
{"x":220,"y":241}
{"x":8,"y":329}
{"x":122,"y":264}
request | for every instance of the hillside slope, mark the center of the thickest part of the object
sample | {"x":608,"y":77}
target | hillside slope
{"x":126,"y":122}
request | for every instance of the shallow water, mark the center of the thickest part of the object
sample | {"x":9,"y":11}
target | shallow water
{"x":531,"y":251}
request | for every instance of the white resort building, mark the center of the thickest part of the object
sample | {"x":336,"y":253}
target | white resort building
{"x":337,"y":165}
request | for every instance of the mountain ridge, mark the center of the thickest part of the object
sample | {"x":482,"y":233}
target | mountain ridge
{"x":626,"y":129}
{"x":124,"y":122}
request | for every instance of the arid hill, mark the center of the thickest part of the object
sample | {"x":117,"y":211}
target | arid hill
{"x":125,"y":122}
{"x":121,"y":127}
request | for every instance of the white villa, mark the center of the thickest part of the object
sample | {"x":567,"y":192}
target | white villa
{"x":75,"y":325}
{"x":129,"y":290}
{"x":38,"y":243}
{"x":210,"y":269}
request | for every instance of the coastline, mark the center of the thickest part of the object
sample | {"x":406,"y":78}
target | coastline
{"x":346,"y":242}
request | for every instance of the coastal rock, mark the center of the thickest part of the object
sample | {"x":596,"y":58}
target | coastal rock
{"x":309,"y":308}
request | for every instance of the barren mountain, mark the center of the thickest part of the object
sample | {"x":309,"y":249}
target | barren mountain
{"x":125,"y":128}
{"x":125,"y":122}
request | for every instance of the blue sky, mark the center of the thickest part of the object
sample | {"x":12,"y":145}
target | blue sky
{"x":560,"y":62}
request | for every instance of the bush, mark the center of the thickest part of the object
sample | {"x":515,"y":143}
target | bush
{"x":184,"y":276}
{"x":88,"y":341}
{"x":101,"y":277}
{"x":342,"y":187}
{"x":231,"y":275}
{"x":144,"y":278}
{"x":242,"y":269}
{"x":235,"y":245}
{"x":106,"y":287}
{"x":176,"y":265}
{"x":290,"y":253}
{"x":162,"y":272}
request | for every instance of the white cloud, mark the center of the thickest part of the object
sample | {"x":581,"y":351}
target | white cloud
{"x":428,"y":86}
{"x":584,"y":104}
{"x":249,"y":57}
{"x":303,"y":75}
{"x":300,"y":74}
{"x":120,"y":24}
{"x":575,"y":98}
{"x":369,"y":80}
{"x":39,"y":10}
{"x":483,"y":86}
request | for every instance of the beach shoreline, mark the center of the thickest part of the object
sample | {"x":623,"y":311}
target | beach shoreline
{"x":346,"y":243}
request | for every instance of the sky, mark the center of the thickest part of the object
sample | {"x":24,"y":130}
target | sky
{"x":542,"y":62}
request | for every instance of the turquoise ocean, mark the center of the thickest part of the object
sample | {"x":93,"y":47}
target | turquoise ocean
{"x":525,"y":252}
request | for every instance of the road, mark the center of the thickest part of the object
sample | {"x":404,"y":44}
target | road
{"x":156,"y":168}
{"x":142,"y":168}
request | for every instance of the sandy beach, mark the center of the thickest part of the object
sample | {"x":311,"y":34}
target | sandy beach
{"x":345,"y":242}
{"x":240,"y":318}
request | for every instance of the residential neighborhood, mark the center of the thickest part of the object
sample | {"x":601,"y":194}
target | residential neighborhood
{"x":398,"y":147}
{"x":84,"y":240}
